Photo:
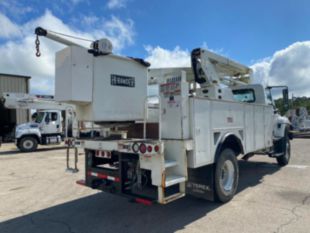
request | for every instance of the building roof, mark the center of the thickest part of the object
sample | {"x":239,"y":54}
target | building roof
{"x":15,"y":76}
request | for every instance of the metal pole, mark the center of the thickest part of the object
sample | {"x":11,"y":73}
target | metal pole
{"x":67,"y":157}
{"x":75,"y":160}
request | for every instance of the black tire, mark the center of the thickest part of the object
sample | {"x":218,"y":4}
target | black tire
{"x":28,"y":144}
{"x":226,"y":176}
{"x":285,"y":144}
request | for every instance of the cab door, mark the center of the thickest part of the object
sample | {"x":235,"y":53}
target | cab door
{"x":51,"y":123}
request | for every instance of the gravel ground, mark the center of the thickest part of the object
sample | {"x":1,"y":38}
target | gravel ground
{"x":37,"y":195}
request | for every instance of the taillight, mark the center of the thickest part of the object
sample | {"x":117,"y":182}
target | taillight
{"x":156,"y":148}
{"x":135,"y":147}
{"x":142,"y":148}
{"x":149,"y":149}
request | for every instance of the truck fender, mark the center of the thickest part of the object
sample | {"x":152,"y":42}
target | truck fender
{"x":30,"y":135}
{"x":231,"y":141}
{"x":280,"y":126}
{"x":26,"y":129}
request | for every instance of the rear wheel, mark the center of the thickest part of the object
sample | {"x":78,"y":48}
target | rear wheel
{"x":226,"y":176}
{"x":28,"y":144}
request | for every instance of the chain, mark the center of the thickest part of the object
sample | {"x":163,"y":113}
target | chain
{"x":37,"y":43}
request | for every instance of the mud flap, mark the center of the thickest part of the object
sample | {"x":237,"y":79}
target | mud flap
{"x":200,"y":182}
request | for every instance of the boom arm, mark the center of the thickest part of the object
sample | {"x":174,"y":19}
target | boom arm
{"x":211,"y":69}
{"x":25,"y":101}
{"x":39,"y":31}
{"x":98,"y":47}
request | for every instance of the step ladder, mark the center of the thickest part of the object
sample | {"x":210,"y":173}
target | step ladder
{"x":69,"y":147}
{"x":174,"y":166}
{"x":170,"y":180}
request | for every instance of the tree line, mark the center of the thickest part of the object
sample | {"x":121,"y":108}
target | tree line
{"x":295,"y":102}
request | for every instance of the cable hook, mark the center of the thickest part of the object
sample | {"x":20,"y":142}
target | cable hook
{"x":37,"y":43}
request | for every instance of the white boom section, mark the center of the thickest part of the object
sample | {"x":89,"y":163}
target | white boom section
{"x":212,"y":69}
{"x":26,"y":101}
{"x":98,"y":47}
{"x":53,"y":36}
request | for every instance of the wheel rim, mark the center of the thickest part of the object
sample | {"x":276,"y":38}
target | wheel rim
{"x":28,"y":144}
{"x":227,"y":176}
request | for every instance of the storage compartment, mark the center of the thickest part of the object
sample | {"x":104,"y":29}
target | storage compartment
{"x":74,"y":75}
{"x":105,"y":88}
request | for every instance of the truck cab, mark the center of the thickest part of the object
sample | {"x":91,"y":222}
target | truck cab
{"x":45,"y":129}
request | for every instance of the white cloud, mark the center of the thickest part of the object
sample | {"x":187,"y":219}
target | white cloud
{"x":115,"y":4}
{"x":159,"y":57}
{"x":289,"y":66}
{"x":119,"y":32}
{"x":8,"y":28}
{"x":19,"y":52}
{"x":89,"y":20}
{"x":15,"y":7}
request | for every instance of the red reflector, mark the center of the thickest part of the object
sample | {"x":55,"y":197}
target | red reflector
{"x":143,"y":201}
{"x":156,"y":148}
{"x":97,"y":152}
{"x":142,"y":148}
{"x":116,"y":179}
{"x":149,"y":148}
{"x":102,"y":176}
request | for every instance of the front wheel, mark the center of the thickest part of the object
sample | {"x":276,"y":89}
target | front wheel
{"x":284,"y":159}
{"x":226,"y":176}
{"x":28,"y":144}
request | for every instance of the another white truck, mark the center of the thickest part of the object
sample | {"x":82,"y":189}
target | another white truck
{"x":188,"y":144}
{"x":52,"y":120}
{"x":299,"y":118}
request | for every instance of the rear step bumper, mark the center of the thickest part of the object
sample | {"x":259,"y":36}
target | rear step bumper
{"x":139,"y":200}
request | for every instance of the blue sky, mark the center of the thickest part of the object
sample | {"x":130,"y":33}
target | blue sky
{"x":264,"y":34}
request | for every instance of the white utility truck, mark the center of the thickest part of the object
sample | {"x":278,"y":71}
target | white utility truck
{"x":188,"y":143}
{"x":300,"y":119}
{"x":52,"y":120}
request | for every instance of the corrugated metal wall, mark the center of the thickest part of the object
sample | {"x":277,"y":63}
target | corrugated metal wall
{"x":9,"y":83}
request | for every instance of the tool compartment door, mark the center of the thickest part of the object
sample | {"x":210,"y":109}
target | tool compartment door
{"x":200,"y":132}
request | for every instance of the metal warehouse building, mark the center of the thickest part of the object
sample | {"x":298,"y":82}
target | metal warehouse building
{"x":9,"y":118}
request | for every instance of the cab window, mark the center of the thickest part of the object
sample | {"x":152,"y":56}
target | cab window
{"x":39,"y":117}
{"x":54,"y":116}
{"x":244,"y":95}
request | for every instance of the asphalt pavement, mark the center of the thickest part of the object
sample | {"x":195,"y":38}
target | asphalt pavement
{"x":38,"y":196}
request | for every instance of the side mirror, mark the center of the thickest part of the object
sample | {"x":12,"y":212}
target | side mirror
{"x":285,"y":99}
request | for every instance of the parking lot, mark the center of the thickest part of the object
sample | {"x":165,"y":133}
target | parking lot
{"x":37,"y":195}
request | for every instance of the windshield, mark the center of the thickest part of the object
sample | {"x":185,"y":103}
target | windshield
{"x":39,"y":117}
